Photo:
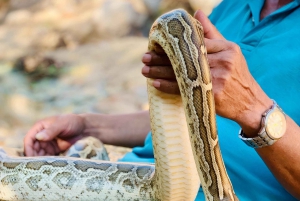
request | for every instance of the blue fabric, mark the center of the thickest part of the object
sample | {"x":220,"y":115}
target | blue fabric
{"x":272,"y":50}
{"x":141,"y":154}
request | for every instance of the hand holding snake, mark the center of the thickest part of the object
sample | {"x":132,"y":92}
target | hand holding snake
{"x":237,"y":95}
{"x":53,"y":135}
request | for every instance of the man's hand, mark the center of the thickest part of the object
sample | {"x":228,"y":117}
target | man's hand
{"x":56,"y":134}
{"x":53,"y":135}
{"x":237,"y":95}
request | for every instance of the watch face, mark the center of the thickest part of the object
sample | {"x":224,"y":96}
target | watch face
{"x":276,"y":124}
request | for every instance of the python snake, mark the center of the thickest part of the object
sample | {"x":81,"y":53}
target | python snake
{"x":184,"y":137}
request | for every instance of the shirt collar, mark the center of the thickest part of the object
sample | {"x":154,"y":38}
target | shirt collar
{"x":256,"y":6}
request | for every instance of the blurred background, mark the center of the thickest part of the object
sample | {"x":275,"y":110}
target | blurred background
{"x":74,"y":56}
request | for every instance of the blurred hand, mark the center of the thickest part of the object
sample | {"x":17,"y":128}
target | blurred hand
{"x":53,"y":135}
{"x":237,"y":95}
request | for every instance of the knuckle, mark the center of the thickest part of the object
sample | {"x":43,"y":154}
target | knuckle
{"x":161,"y":72}
{"x":157,"y":70}
{"x":174,"y":89}
{"x":154,"y":72}
{"x":220,"y":80}
{"x":225,"y":77}
{"x":166,"y":72}
{"x":155,"y":58}
{"x":234,"y":47}
{"x":169,"y":87}
{"x":227,"y":61}
{"x":217,"y":93}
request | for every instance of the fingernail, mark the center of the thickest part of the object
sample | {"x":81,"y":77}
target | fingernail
{"x":156,"y":84}
{"x":41,"y":135}
{"x":146,"y":58}
{"x":146,"y":69}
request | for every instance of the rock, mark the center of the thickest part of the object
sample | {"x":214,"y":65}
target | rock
{"x":152,"y":6}
{"x":18,"y":17}
{"x":19,"y":105}
{"x":167,"y":5}
{"x":204,"y":5}
{"x":4,"y":8}
{"x":50,"y":15}
{"x":21,"y":4}
{"x":78,"y":31}
{"x":4,"y":132}
{"x":49,"y":41}
{"x":119,"y":18}
{"x":38,"y":67}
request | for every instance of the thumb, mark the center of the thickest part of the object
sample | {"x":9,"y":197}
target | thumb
{"x":210,"y":31}
{"x":48,"y":134}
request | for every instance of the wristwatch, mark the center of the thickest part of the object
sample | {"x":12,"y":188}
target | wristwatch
{"x":273,"y":126}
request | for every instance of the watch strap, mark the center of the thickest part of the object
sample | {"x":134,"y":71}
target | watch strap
{"x":262,"y":140}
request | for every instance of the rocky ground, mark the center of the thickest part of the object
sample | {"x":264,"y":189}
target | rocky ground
{"x":74,"y":56}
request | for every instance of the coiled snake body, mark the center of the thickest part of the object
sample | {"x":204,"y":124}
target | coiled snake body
{"x":182,"y":150}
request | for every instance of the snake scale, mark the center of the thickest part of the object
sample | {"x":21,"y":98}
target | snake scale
{"x":184,"y":137}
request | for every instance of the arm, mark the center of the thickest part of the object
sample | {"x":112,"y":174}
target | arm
{"x":56,"y":134}
{"x":238,"y":97}
{"x":236,"y":88}
{"x":126,"y":130}
{"x":286,"y":165}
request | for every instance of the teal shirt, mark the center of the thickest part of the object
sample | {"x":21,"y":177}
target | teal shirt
{"x":272,"y":50}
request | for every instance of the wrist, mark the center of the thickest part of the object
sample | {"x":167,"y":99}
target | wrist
{"x":97,"y":124}
{"x":250,"y":120}
{"x":85,"y":117}
{"x":273,"y":127}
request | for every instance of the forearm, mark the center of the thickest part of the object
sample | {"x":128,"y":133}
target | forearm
{"x":126,"y":130}
{"x":283,"y":158}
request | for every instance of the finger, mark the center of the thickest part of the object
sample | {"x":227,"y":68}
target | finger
{"x":159,"y":72}
{"x":63,"y":145}
{"x":50,"y":148}
{"x":214,"y":46}
{"x":41,"y":152}
{"x":35,"y":149}
{"x":55,"y":147}
{"x":36,"y":145}
{"x":154,"y":59}
{"x":167,"y":86}
{"x":158,"y":49}
{"x":52,"y":131}
{"x":29,"y":139}
{"x":215,"y":60}
{"x":210,"y":31}
{"x":219,"y":77}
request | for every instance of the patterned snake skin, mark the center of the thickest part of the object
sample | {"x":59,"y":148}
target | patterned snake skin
{"x":182,"y":150}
